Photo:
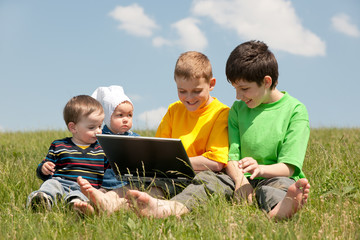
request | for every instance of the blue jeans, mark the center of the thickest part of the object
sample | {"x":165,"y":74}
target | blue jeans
{"x":59,"y":189}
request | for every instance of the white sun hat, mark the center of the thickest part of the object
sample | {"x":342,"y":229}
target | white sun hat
{"x":110,"y":98}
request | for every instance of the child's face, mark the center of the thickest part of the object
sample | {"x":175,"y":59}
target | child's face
{"x":251,"y":93}
{"x":194,"y":93}
{"x":122,"y":117}
{"x":84,"y":132}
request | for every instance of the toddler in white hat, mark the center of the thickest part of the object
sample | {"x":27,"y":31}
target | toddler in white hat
{"x":118,"y":110}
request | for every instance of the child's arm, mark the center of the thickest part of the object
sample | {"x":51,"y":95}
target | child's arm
{"x":48,"y":168}
{"x":250,"y":165}
{"x":201,"y":163}
{"x":45,"y":169}
{"x":243,"y":189}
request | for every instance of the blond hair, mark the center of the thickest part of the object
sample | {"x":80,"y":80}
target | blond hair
{"x":193,"y":65}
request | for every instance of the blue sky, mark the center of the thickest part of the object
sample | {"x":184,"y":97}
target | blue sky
{"x":53,"y":50}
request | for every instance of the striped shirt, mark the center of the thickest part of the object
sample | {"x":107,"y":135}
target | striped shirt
{"x":72,"y":161}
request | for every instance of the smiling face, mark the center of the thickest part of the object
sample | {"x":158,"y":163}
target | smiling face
{"x":122,"y":117}
{"x":84,"y":132}
{"x":194,"y":93}
{"x":253,"y":94}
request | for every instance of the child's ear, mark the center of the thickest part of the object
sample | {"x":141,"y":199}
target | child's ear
{"x":267,"y":81}
{"x":212,"y":83}
{"x":72,"y":127}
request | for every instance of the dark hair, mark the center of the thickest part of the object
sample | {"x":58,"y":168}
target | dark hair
{"x":252,"y":61}
{"x":80,"y":106}
{"x":193,"y":65}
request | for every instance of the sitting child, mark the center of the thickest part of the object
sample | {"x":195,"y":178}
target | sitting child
{"x":118,"y":110}
{"x":268,"y":134}
{"x":69,"y":158}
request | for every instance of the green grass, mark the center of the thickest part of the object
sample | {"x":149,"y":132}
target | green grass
{"x":331,"y":165}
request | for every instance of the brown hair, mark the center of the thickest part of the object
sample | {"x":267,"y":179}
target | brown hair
{"x":252,"y":61}
{"x":80,"y":106}
{"x":193,"y":65}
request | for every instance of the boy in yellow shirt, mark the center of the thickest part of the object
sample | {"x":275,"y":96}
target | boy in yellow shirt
{"x":200,"y":121}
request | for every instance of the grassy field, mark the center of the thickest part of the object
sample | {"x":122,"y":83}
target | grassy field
{"x":333,"y":210}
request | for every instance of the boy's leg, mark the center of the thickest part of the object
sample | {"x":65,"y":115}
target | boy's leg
{"x":204,"y":183}
{"x":296,"y":196}
{"x":271,"y":193}
{"x":162,"y":188}
{"x":39,"y":200}
{"x":120,"y":192}
{"x":50,"y":191}
{"x":72,"y":193}
{"x":110,"y":201}
{"x":146,"y":205}
{"x":104,"y":202}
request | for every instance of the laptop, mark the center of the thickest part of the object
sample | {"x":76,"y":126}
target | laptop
{"x":137,"y":157}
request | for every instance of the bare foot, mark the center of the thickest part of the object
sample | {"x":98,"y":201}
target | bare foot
{"x":295,"y":198}
{"x":145,"y":205}
{"x":84,"y":207}
{"x":104,"y":202}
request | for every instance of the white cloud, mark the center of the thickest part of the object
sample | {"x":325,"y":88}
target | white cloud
{"x":274,"y":22}
{"x":191,"y":37}
{"x":160,"y":41}
{"x":151,"y":119}
{"x":133,"y":20}
{"x":341,"y":22}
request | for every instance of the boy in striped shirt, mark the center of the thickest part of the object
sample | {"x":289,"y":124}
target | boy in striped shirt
{"x":71,"y":157}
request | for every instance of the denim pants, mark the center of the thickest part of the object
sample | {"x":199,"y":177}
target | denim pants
{"x":59,"y":189}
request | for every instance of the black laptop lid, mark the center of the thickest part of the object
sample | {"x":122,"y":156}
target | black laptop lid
{"x":160,"y":157}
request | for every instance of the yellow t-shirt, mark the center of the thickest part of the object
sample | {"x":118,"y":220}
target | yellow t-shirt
{"x":202,"y":132}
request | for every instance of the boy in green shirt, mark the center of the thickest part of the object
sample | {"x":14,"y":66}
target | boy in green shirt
{"x":268,"y":134}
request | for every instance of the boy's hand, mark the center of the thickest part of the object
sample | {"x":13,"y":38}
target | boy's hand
{"x":250,"y":165}
{"x":48,"y":168}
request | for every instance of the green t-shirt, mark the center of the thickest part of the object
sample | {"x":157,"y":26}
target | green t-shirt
{"x":270,"y":133}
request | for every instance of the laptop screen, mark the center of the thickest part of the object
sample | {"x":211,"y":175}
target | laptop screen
{"x":146,"y":156}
